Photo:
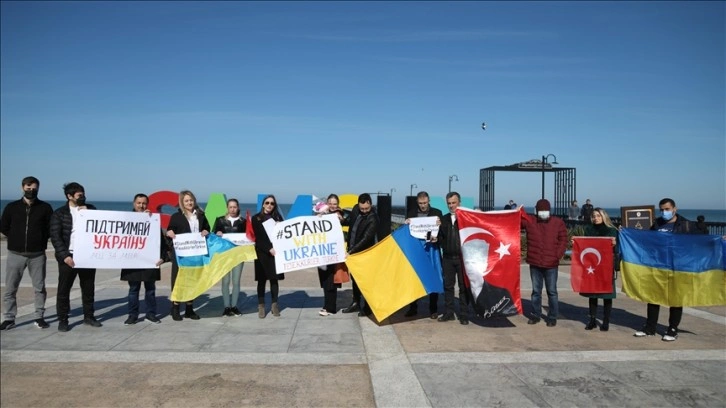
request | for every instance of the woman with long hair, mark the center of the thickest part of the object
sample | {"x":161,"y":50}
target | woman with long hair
{"x":601,"y":226}
{"x":326,"y":274}
{"x":226,"y":224}
{"x":189,"y":218}
{"x":265,"y":263}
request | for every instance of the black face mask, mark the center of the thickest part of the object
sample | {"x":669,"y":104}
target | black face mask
{"x":81,"y":201}
{"x":30,"y":194}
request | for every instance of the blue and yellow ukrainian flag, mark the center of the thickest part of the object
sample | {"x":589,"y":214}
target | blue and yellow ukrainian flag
{"x":199,"y":273}
{"x":673,"y":269}
{"x":395,"y":272}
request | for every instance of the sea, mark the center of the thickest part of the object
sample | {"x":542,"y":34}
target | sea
{"x":691,"y":214}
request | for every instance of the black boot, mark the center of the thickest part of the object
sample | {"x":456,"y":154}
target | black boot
{"x":606,"y":315}
{"x":592,"y":324}
{"x":189,"y":312}
{"x":175,"y":312}
{"x":354,"y":307}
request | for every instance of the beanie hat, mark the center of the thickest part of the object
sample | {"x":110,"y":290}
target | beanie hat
{"x":542,"y":205}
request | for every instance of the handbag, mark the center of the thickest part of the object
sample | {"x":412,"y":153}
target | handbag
{"x":341,"y":273}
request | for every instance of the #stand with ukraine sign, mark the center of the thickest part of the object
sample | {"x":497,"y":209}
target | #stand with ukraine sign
{"x":307,"y":241}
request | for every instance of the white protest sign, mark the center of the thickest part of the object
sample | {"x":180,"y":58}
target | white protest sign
{"x":269,"y":227}
{"x":420,"y":226}
{"x":308,"y":241}
{"x":190,"y":244}
{"x":237,"y":238}
{"x":116,"y":239}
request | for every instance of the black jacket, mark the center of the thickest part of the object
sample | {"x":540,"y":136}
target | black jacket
{"x":223,"y":225}
{"x":366,"y":232}
{"x":448,"y":238}
{"x":265,"y":263}
{"x":179,"y":224}
{"x":680,"y":226}
{"x":27,"y":226}
{"x":61,"y":225}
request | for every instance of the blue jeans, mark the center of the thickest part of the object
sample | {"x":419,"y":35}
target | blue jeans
{"x":230,"y":299}
{"x":549,"y":277}
{"x":149,"y":297}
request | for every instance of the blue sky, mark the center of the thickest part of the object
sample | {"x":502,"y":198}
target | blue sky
{"x":349,"y":97}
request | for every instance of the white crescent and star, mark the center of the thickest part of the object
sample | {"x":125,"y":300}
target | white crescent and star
{"x":465,"y":233}
{"x":590,"y":269}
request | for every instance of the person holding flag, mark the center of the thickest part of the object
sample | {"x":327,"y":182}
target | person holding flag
{"x":601,"y":226}
{"x":189,"y":218}
{"x":670,"y":223}
{"x":229,"y":223}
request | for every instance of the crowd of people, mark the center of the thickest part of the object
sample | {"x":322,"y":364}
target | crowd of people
{"x":29,"y":223}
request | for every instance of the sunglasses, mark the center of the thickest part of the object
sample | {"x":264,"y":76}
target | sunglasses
{"x":269,"y":203}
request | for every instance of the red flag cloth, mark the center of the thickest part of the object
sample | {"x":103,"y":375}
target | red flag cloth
{"x":592,"y":265}
{"x":490,"y":248}
{"x":249,"y":231}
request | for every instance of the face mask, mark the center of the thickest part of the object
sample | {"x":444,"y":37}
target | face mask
{"x":543,"y":215}
{"x":81,"y":201}
{"x":31,"y":194}
{"x":667,"y":215}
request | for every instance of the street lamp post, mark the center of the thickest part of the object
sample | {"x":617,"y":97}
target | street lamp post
{"x":412,"y":187}
{"x":544,"y":163}
{"x":452,"y":177}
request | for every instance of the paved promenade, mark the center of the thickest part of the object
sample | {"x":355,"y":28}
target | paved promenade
{"x":302,"y":359}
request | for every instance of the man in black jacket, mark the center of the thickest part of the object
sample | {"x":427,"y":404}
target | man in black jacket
{"x":62,"y":237}
{"x":451,"y":262}
{"x":672,"y":223}
{"x":424,"y":210}
{"x":26,"y":224}
{"x":363,"y":224}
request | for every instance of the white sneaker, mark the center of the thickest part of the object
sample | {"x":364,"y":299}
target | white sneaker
{"x":641,"y":333}
{"x":671,"y":335}
{"x":324,"y":312}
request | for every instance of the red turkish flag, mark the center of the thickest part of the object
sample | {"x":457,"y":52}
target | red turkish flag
{"x":490,"y":248}
{"x":592,"y":265}
{"x":248,"y":228}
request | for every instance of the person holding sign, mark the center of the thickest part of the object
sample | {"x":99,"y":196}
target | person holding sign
{"x":189,"y":218}
{"x":327,"y":275}
{"x":424,"y":210}
{"x":148,"y":276}
{"x":62,"y":233}
{"x":265,"y":263}
{"x":227,"y":224}
{"x":601,"y":226}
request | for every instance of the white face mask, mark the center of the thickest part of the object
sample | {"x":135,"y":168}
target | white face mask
{"x":543,"y":215}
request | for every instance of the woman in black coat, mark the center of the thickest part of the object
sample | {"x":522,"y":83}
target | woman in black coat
{"x":148,"y":276}
{"x":190,"y":218}
{"x":265,"y":263}
{"x":326,"y":274}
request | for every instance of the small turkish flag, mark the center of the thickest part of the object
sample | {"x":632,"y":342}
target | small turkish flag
{"x":592,"y":265}
{"x":248,"y":228}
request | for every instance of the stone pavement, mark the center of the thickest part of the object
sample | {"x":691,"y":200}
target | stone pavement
{"x":303,"y":359}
